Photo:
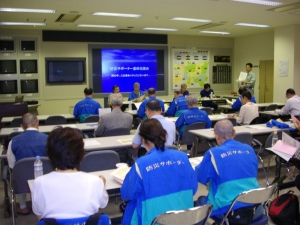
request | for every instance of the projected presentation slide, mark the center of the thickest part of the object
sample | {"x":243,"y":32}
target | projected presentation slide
{"x":124,"y":67}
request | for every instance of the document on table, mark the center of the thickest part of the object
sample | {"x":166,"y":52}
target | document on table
{"x":257,"y":127}
{"x":91,"y":143}
{"x":125,"y":141}
{"x":72,"y":126}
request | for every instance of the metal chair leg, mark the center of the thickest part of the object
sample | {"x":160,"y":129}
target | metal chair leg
{"x":263,"y":166}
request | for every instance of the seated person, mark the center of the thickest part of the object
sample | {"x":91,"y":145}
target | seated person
{"x":152,"y":95}
{"x":30,"y":143}
{"x":66,"y":192}
{"x":115,"y":89}
{"x":87,"y":106}
{"x":248,"y":112}
{"x":153,"y":111}
{"x":192,"y":115}
{"x":206,"y":92}
{"x":227,"y":170}
{"x":136,"y":95}
{"x":183,"y":90}
{"x":292,"y":105}
{"x":160,"y":181}
{"x":116,"y":119}
{"x":238,"y":102}
{"x":178,"y":105}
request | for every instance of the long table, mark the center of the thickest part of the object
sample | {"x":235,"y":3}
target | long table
{"x":47,"y":129}
{"x":261,"y":106}
{"x":209,"y":136}
{"x":41,"y":118}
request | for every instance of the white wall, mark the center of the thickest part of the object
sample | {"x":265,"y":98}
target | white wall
{"x":252,"y":49}
{"x":286,"y":47}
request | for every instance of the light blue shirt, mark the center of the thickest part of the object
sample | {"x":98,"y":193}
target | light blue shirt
{"x":292,"y":107}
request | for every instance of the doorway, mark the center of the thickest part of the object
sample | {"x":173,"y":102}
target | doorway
{"x":266,"y":81}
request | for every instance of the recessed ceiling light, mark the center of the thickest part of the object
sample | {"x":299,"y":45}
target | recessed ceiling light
{"x":22,"y":24}
{"x":251,"y":25}
{"x":260,"y":2}
{"x":213,"y":32}
{"x":190,"y":20}
{"x":97,"y":26}
{"x":27,"y":10}
{"x":161,"y":29}
{"x":116,"y":14}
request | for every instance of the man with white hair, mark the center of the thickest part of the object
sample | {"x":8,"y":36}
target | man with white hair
{"x":228,"y":170}
{"x":115,"y":119}
{"x":136,"y":95}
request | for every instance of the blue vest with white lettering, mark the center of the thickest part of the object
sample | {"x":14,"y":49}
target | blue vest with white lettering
{"x":30,"y":143}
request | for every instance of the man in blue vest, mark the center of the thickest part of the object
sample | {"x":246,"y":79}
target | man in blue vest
{"x":178,"y":105}
{"x":87,"y":106}
{"x":152,"y":96}
{"x":30,"y":143}
{"x":193,"y":115}
{"x":238,"y":103}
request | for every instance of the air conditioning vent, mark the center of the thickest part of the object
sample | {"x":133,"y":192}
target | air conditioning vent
{"x":68,"y":18}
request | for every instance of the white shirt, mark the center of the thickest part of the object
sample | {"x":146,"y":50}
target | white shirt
{"x":68,"y":195}
{"x":292,"y":107}
{"x":248,"y":112}
{"x":11,"y":159}
{"x":169,"y":126}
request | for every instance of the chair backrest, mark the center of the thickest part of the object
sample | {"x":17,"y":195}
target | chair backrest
{"x":271,"y":107}
{"x":268,"y":142}
{"x":254,"y":196}
{"x":55,"y":120}
{"x":173,"y":147}
{"x":256,"y":120}
{"x":99,"y":160}
{"x":91,"y":119}
{"x":207,"y":110}
{"x":188,"y":138}
{"x":16,"y":122}
{"x":232,"y":120}
{"x":187,"y":217}
{"x":116,"y":132}
{"x":244,"y":137}
{"x":23,"y":171}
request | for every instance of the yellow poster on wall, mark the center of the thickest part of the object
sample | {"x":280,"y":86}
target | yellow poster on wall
{"x":190,"y":67}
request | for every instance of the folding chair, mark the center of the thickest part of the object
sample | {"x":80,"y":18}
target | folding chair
{"x":207,"y":110}
{"x":16,"y":122}
{"x":116,"y":132}
{"x":188,"y":217}
{"x":55,"y":120}
{"x":99,"y":160}
{"x":22,"y":172}
{"x":254,"y":196}
{"x":271,"y":107}
{"x":92,"y":119}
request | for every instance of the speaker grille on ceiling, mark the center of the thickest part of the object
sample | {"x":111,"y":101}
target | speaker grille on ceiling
{"x":67,"y":18}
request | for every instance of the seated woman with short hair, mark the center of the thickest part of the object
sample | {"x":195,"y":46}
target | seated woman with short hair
{"x":66,"y":192}
{"x":160,"y":181}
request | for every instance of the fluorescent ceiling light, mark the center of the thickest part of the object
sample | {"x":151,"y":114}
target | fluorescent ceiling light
{"x":260,"y":2}
{"x":116,"y":14}
{"x":97,"y":26}
{"x":213,"y":32}
{"x":251,"y":25}
{"x":22,"y":24}
{"x":161,"y":29}
{"x":27,"y":10}
{"x":190,"y":20}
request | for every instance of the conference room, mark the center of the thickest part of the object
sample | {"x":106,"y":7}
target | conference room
{"x":49,"y":58}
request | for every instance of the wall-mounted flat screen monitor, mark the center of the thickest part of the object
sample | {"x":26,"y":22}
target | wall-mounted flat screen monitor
{"x":27,"y":46}
{"x":8,"y":87}
{"x":29,"y":86}
{"x":125,"y":65}
{"x":28,"y":66}
{"x":65,"y":70}
{"x":7,"y":45}
{"x":8,"y":66}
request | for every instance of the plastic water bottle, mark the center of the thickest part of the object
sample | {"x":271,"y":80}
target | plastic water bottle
{"x":38,"y":167}
{"x":130,"y":106}
{"x":211,"y":95}
{"x":274,"y":138}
